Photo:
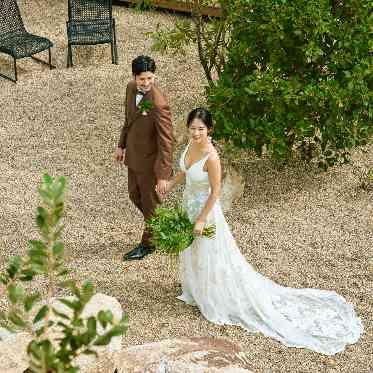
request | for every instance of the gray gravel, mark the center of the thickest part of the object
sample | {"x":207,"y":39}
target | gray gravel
{"x":300,"y":227}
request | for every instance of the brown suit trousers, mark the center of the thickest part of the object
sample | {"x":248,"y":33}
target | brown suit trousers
{"x":141,"y":190}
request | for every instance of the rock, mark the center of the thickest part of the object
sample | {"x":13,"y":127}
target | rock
{"x":5,"y":334}
{"x":370,"y":265}
{"x":97,"y":303}
{"x":13,"y":356}
{"x":180,"y":132}
{"x":232,"y":188}
{"x":186,"y":355}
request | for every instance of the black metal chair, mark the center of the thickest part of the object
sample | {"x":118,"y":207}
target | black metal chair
{"x":91,"y":22}
{"x":15,"y":40}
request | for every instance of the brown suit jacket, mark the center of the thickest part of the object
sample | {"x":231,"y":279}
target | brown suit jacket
{"x":148,"y":139}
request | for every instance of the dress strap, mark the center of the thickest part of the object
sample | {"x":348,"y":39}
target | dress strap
{"x":204,"y":159}
{"x":182,"y":159}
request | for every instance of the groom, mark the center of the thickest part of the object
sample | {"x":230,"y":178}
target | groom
{"x":145,"y":145}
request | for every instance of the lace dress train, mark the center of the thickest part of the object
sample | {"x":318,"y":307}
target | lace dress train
{"x":216,"y":277}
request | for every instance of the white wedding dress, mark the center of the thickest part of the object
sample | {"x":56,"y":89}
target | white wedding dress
{"x":217,"y":279}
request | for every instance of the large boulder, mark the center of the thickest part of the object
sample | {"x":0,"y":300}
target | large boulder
{"x":232,"y":188}
{"x":96,"y":304}
{"x":182,"y":355}
{"x":13,"y":356}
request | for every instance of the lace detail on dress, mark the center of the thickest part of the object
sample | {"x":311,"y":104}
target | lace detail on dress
{"x":227,"y":290}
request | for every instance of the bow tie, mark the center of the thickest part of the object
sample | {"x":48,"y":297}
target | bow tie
{"x":141,"y":93}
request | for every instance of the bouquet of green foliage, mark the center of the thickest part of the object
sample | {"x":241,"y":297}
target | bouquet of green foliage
{"x":172,"y":231}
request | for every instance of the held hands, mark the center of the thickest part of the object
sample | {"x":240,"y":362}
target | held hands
{"x":120,"y":155}
{"x":163,"y":187}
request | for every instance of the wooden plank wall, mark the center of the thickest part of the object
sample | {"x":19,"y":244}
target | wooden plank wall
{"x":179,"y":6}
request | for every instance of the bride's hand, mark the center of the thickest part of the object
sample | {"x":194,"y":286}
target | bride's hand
{"x":198,"y":227}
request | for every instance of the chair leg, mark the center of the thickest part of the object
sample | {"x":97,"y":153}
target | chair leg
{"x":14,"y":80}
{"x":50,"y":59}
{"x":112,"y":47}
{"x":49,"y":63}
{"x":115,"y":44}
{"x":69,"y":56}
{"x":15,"y":69}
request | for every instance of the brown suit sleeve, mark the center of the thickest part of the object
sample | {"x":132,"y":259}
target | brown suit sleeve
{"x":165,"y":140}
{"x":123,"y":134}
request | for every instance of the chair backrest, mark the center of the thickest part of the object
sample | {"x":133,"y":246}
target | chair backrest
{"x":10,"y":18}
{"x":87,"y":10}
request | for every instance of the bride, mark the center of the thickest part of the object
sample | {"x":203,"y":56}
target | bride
{"x":216,"y":278}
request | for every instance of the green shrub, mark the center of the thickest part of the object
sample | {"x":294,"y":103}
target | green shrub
{"x":298,"y":76}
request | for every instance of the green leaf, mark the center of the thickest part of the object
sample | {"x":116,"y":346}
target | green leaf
{"x":15,"y":293}
{"x":74,"y":305}
{"x":115,"y":331}
{"x":30,"y":301}
{"x":38,"y":245}
{"x":4,"y":279}
{"x":70,"y":284}
{"x":40,"y":331}
{"x":72,"y":370}
{"x":27,"y":274}
{"x":3,"y":315}
{"x":103,"y":340}
{"x":34,"y":350}
{"x":92,"y":326}
{"x":47,"y":179}
{"x":14,"y":266}
{"x":105,"y":317}
{"x":60,"y":314}
{"x":65,"y":326}
{"x":90,"y":352}
{"x":118,"y":330}
{"x":88,"y":291}
{"x":16,"y":319}
{"x":63,"y":272}
{"x":57,"y":233}
{"x":58,"y":249}
{"x":41,"y":314}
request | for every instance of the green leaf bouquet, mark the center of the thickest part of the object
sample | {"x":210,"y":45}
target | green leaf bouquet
{"x":172,"y":231}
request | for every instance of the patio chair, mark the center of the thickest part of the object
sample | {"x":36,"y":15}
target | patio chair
{"x":91,"y":22}
{"x":16,"y":41}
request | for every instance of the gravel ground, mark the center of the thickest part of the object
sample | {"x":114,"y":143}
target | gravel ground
{"x":300,"y":227}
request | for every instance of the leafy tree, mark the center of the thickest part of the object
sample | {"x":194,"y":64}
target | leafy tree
{"x":298,"y":76}
{"x":44,"y":260}
{"x":210,"y":35}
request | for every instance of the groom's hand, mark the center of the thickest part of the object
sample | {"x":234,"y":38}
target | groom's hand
{"x":120,"y":155}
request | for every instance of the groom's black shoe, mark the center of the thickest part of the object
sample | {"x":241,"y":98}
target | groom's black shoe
{"x":138,"y":252}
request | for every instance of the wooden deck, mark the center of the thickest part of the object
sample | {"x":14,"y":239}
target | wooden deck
{"x":179,"y":6}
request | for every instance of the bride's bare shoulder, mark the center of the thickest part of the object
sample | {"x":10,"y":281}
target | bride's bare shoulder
{"x":213,"y":154}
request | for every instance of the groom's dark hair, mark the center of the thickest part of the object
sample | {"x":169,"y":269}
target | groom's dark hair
{"x":142,"y":64}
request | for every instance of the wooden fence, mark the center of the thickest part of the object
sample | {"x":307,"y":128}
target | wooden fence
{"x":179,"y":6}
